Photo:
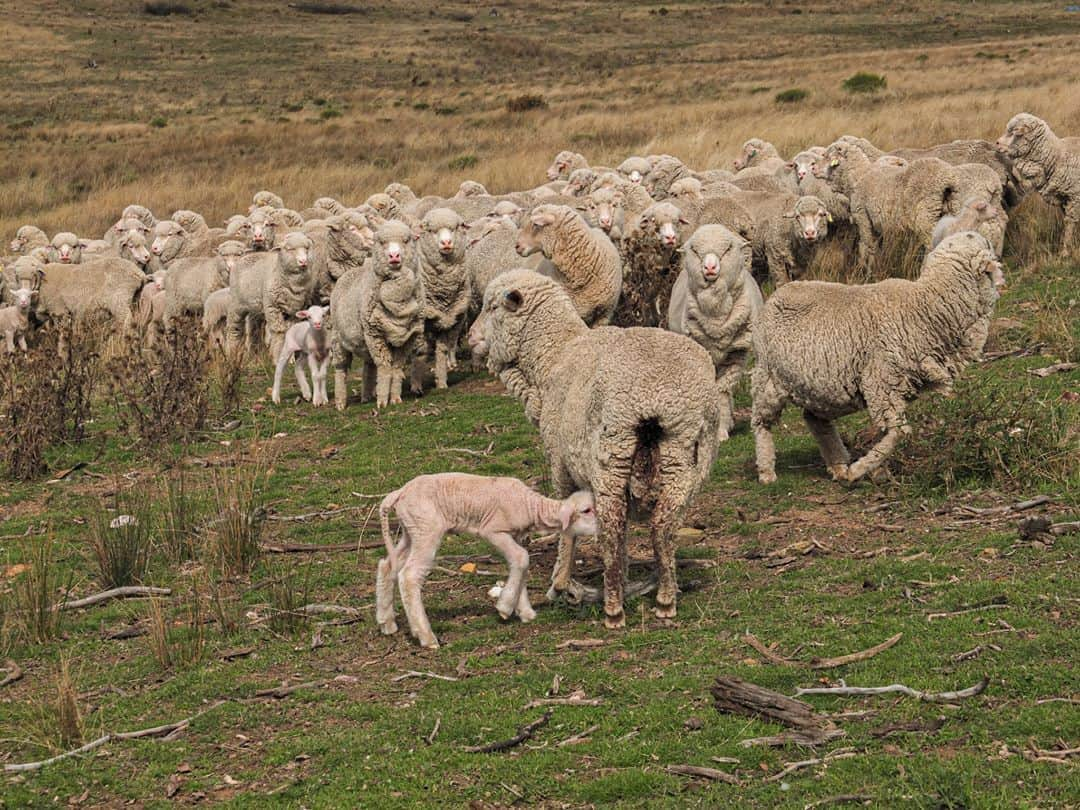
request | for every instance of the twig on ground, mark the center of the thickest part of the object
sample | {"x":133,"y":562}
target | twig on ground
{"x":579,"y":737}
{"x":285,"y":691}
{"x":580,"y":643}
{"x":14,"y":673}
{"x":1019,"y":506}
{"x":929,"y":697}
{"x":974,"y":651}
{"x":412,"y":673}
{"x":820,"y":663}
{"x":319,"y":609}
{"x":1041,"y":701}
{"x":525,"y":733}
{"x":1056,"y":368}
{"x":736,"y":696}
{"x":704,"y":773}
{"x":791,"y":767}
{"x":131,"y":631}
{"x":843,"y":798}
{"x":314,"y":548}
{"x":927,"y":726}
{"x":127,"y":592}
{"x":235,"y":652}
{"x":481,"y":453}
{"x":1059,"y":756}
{"x":1067,"y":527}
{"x":993,"y":603}
{"x":310,"y":515}
{"x":430,"y":738}
{"x":574,"y":699}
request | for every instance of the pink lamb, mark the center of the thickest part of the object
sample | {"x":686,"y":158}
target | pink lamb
{"x":306,"y":339}
{"x":501,"y":510}
{"x":15,"y":321}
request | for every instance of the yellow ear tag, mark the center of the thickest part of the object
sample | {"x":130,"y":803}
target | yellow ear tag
{"x":834,"y":163}
{"x":828,"y":217}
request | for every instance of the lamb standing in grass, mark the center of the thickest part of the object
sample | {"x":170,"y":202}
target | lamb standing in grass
{"x":632,"y":415}
{"x":835,"y":349}
{"x":15,"y":319}
{"x":498,"y":509}
{"x":307,"y":338}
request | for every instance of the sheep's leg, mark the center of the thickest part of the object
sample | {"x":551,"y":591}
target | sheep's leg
{"x":768,"y":404}
{"x":886,"y":410}
{"x":833,"y":451}
{"x":342,"y":361}
{"x":518,"y":560}
{"x":411,"y":578}
{"x":677,"y":482}
{"x":235,"y":324}
{"x":400,"y":359}
{"x":384,"y":587}
{"x":416,"y":375}
{"x":279,"y":369}
{"x":442,"y":362}
{"x":367,"y":381}
{"x":564,"y":566}
{"x":1072,"y":215}
{"x":866,"y":250}
{"x":611,"y":517}
{"x":10,"y":339}
{"x":301,"y":378}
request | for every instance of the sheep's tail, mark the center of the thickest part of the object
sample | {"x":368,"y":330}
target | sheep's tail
{"x":384,"y":521}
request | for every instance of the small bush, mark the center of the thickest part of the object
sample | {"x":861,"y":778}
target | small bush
{"x":330,"y":112}
{"x":177,"y":644}
{"x":526,"y":102}
{"x":159,"y":121}
{"x":122,"y":543}
{"x":761,"y":88}
{"x":227,"y":374}
{"x":182,"y":512}
{"x":33,"y":595}
{"x":462,"y":162}
{"x":791,"y":96}
{"x":69,"y":720}
{"x":445,"y":110}
{"x":420,"y":105}
{"x":328,"y":8}
{"x":237,"y":529}
{"x":165,"y":9}
{"x":863,"y":82}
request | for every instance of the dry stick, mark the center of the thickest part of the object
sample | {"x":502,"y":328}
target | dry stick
{"x":318,"y":609}
{"x":737,"y":696}
{"x":309,"y":515}
{"x":704,"y":773}
{"x":430,"y":738}
{"x":580,"y":643}
{"x":285,"y":691}
{"x":820,"y":663}
{"x":577,"y":737}
{"x":791,"y":767}
{"x":929,"y":697}
{"x":525,"y":733}
{"x":1019,"y":506}
{"x":575,"y":699}
{"x":126,"y":592}
{"x":841,"y":799}
{"x":314,"y":548}
{"x":949,"y":614}
{"x":1065,"y":528}
{"x":964,"y":656}
{"x":412,"y":673}
{"x":14,"y":671}
{"x":1041,"y":701}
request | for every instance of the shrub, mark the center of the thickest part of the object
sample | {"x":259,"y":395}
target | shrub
{"x":791,"y":95}
{"x":182,"y":512}
{"x":526,"y":102}
{"x":33,"y":594}
{"x":69,"y":720}
{"x":158,"y":121}
{"x":122,"y":544}
{"x":177,"y":644}
{"x":462,"y":162}
{"x":159,"y":9}
{"x":445,"y":110}
{"x":863,"y":82}
{"x":288,"y":594}
{"x":330,"y":112}
{"x":237,"y":528}
{"x":328,"y":8}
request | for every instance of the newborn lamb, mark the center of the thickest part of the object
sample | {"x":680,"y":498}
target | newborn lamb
{"x":306,"y":339}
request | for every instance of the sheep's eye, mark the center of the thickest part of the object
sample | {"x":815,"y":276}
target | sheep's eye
{"x":587,"y":510}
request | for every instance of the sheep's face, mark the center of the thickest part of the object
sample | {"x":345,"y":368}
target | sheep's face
{"x":351,"y":235}
{"x":802,"y":165}
{"x":169,"y":239}
{"x":316,"y":316}
{"x":603,"y":208}
{"x":577,"y":514}
{"x":263,"y":230}
{"x":533,"y":234}
{"x":24,"y":236}
{"x":239,"y":227}
{"x":689,"y":188}
{"x":442,"y":238}
{"x":753,"y":152}
{"x":1021,"y":134}
{"x":65,"y":249}
{"x":28,"y":272}
{"x":580,"y":182}
{"x":810,"y":219}
{"x":562,"y":165}
{"x":713,"y":253}
{"x":470,"y":188}
{"x":133,"y":248}
{"x":634,"y":169}
{"x":832,"y":165}
{"x":23,"y":299}
{"x":665,"y":172}
{"x":394,"y":251}
{"x":660,"y":223}
{"x":294,"y":254}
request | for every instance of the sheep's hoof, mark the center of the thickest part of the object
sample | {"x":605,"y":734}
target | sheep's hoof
{"x":388,"y":628}
{"x":767,"y":477}
{"x":616,"y":622}
{"x":526,"y":616}
{"x":430,"y":644}
{"x":839,"y":472}
{"x":276,"y":400}
{"x":505,"y":613}
{"x":665,"y":611}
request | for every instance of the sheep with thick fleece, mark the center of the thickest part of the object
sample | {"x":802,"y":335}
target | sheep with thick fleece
{"x":65,"y":248}
{"x":632,"y":415}
{"x":306,"y":339}
{"x":377,"y":314}
{"x":565,"y":162}
{"x":977,"y":214}
{"x":714,"y":301}
{"x":588,"y":264}
{"x":835,"y":349}
{"x":442,"y":243}
{"x":15,"y":319}
{"x":107,"y":285}
{"x":491,"y":252}
{"x":790,"y":240}
{"x":27,"y":238}
{"x":1047,"y":164}
{"x":190,"y":280}
{"x":215,"y":313}
{"x":634,"y":169}
{"x":649,"y":249}
{"x":339,"y":243}
{"x":292,"y":285}
{"x":757,"y":153}
{"x":498,"y":509}
{"x":265,"y":199}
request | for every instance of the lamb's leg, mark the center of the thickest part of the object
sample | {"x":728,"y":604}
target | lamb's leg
{"x":833,"y":451}
{"x":318,"y":380}
{"x":768,"y":404}
{"x":22,"y":341}
{"x":518,"y":560}
{"x":611,"y":517}
{"x":279,"y":369}
{"x":384,"y":587}
{"x":10,"y":340}
{"x":301,"y":378}
{"x":411,"y":582}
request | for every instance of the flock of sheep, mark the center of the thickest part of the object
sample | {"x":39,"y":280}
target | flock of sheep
{"x":564,"y":286}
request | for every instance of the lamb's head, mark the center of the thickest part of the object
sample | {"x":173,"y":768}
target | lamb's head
{"x":688,"y":188}
{"x":141,"y":213}
{"x":133,"y":248}
{"x":577,"y":514}
{"x":442,"y":238}
{"x":1023,"y":134}
{"x":520,"y":306}
{"x":228,"y":253}
{"x":238,"y":227}
{"x":802,"y":164}
{"x":394,"y":251}
{"x":331,"y":205}
{"x":265,"y":199}
{"x":634,"y":169}
{"x":835,"y":167}
{"x":169,"y":239}
{"x":580,"y":182}
{"x":383,"y":205}
{"x":603,"y":207}
{"x":28,"y":271}
{"x":23,"y":298}
{"x":314,"y":315}
{"x":538,"y":232}
{"x":294,"y":253}
{"x":400,"y":193}
{"x":131,"y":225}
{"x":506,"y":210}
{"x":189,"y":220}
{"x":263,"y":229}
{"x":65,"y":248}
{"x":156,"y":280}
{"x":660,"y":224}
{"x":714,"y":253}
{"x":27,"y":238}
{"x":973,"y":256}
{"x":564,"y":163}
{"x":470,"y":188}
{"x":810,"y":219}
{"x":977,"y":210}
{"x":754,"y":151}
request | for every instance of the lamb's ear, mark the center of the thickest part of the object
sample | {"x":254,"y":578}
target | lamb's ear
{"x":513,"y":300}
{"x":566,"y":514}
{"x":83,"y":243}
{"x":302,"y":314}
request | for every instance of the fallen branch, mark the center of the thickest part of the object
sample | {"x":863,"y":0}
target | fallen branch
{"x":791,"y":767}
{"x":580,"y":644}
{"x":995,"y":603}
{"x":579,"y":737}
{"x":236,"y":652}
{"x":315,"y":548}
{"x":1067,"y":527}
{"x":1019,"y":506}
{"x":525,"y":733}
{"x":1056,"y":368}
{"x":704,"y":773}
{"x":412,"y":673}
{"x":131,"y":631}
{"x":929,"y":697}
{"x":310,"y":515}
{"x":843,"y":798}
{"x":430,"y":738}
{"x":127,"y":592}
{"x":574,"y":699}
{"x":820,"y":663}
{"x":736,"y":696}
{"x":973,"y":652}
{"x":14,"y":673}
{"x":319,"y":609}
{"x":285,"y":691}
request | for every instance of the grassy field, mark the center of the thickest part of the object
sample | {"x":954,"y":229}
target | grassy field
{"x":199,"y":110}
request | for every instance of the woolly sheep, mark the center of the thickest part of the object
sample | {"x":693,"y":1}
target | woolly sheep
{"x":632,"y":415}
{"x":713,"y":303}
{"x":172,"y":242}
{"x":634,"y":169}
{"x":564,"y":163}
{"x":790,"y":240}
{"x":588,"y":263}
{"x":834,"y":349}
{"x":65,"y":248}
{"x":27,"y":238}
{"x":491,"y":252}
{"x":447,"y":296}
{"x":215,"y":311}
{"x":15,"y":319}
{"x":1048,"y":164}
{"x":977,"y":214}
{"x":190,"y":280}
{"x":377,"y":313}
{"x":470,"y":188}
{"x":650,"y":257}
{"x":265,"y":199}
{"x":339,"y":243}
{"x":291,"y":285}
{"x":123,"y":226}
{"x":107,"y":285}
{"x":263,"y":229}
{"x":306,"y":339}
{"x":497,"y":509}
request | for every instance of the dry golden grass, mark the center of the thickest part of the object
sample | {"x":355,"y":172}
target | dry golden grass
{"x":408,"y":87}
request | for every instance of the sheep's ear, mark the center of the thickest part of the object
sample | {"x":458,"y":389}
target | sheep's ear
{"x":790,"y":164}
{"x":683,"y":221}
{"x":789,"y":215}
{"x":513,"y":300}
{"x":83,"y":243}
{"x":747,"y":251}
{"x":566,"y":514}
{"x":542,"y":218}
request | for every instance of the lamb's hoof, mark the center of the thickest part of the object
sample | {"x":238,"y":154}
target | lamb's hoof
{"x":526,"y":616}
{"x":276,"y":400}
{"x":665,"y":611}
{"x":339,"y":405}
{"x":506,"y":613}
{"x":767,"y":477}
{"x":616,"y":622}
{"x":839,"y":472}
{"x":388,"y":628}
{"x":430,"y":644}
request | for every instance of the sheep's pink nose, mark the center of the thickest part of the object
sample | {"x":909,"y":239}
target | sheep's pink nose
{"x":446,"y":244}
{"x":810,"y":233}
{"x":605,"y":221}
{"x":669,"y":240}
{"x":302,"y":262}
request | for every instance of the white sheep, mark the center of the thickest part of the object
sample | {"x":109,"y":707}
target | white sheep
{"x":498,"y":509}
{"x":306,"y":339}
{"x":15,"y":319}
